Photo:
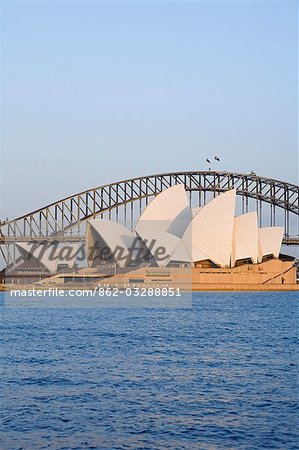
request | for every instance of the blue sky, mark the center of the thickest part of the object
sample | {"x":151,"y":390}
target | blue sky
{"x":94,"y":92}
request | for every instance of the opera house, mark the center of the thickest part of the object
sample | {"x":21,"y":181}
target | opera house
{"x":210,"y":245}
{"x":174,"y":244}
{"x":176,"y":235}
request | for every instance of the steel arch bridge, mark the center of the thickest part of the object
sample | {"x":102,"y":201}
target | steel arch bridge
{"x":276,"y":202}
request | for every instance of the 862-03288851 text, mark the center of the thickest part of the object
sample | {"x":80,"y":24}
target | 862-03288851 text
{"x":140,"y":292}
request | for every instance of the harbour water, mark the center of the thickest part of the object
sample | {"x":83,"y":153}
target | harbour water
{"x":221,"y":374}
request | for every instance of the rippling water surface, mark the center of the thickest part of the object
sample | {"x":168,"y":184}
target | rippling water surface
{"x":219,"y":375}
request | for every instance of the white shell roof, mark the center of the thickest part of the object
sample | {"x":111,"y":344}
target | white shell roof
{"x":113,"y":234}
{"x":49,"y":255}
{"x":182,"y":253}
{"x":180,"y":223}
{"x":163,"y":210}
{"x":211,"y":230}
{"x":195,"y":210}
{"x":270,"y":240}
{"x":155,"y":239}
{"x":245,"y":243}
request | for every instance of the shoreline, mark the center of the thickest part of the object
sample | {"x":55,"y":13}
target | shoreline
{"x":202,"y":288}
